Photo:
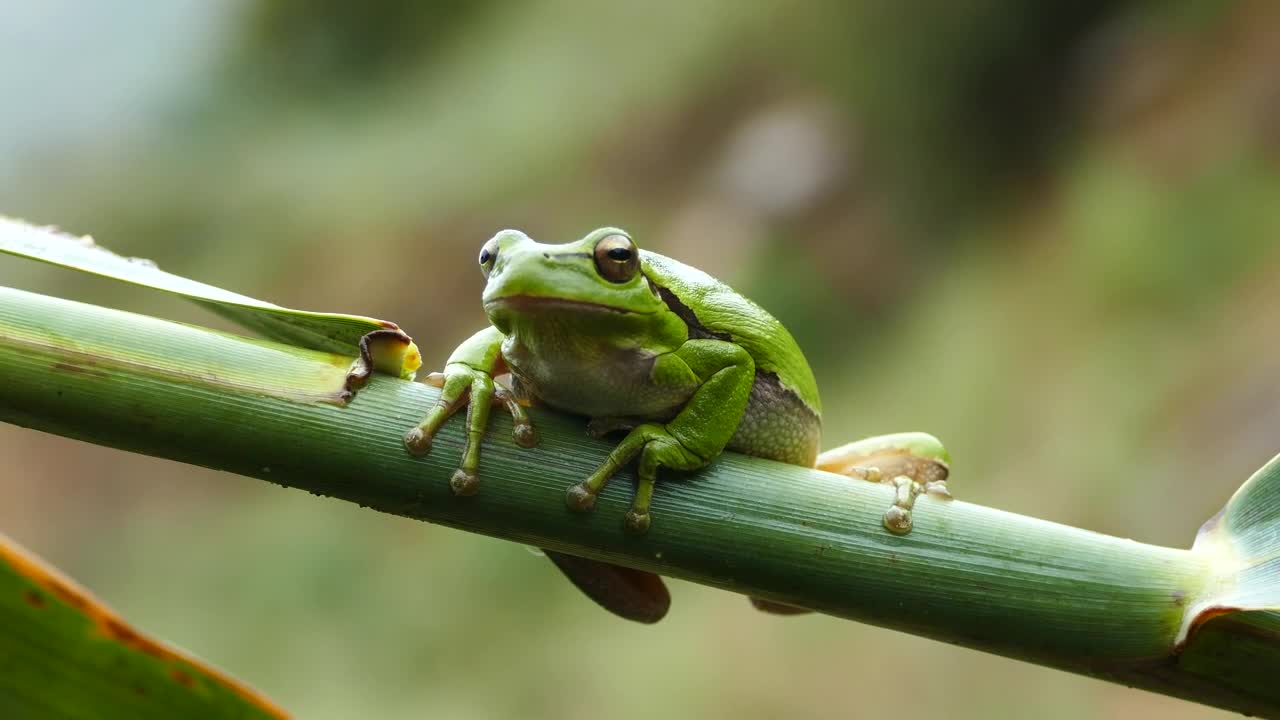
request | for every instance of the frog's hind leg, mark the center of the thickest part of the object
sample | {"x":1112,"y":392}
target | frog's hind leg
{"x":631,"y":594}
{"x":913,"y":463}
{"x":918,"y":456}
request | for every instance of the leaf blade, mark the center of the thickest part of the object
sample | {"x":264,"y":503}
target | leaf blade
{"x":327,"y":332}
{"x":66,"y":654}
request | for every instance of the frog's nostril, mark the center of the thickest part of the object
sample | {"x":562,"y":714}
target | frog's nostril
{"x":546,"y":255}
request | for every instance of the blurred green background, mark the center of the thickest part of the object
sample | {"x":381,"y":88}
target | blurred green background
{"x":1046,"y":232}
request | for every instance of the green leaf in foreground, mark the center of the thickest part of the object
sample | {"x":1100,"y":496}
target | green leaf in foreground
{"x":63,"y":654}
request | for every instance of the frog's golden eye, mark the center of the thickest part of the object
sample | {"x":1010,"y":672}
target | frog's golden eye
{"x":617,"y":258}
{"x":488,"y":255}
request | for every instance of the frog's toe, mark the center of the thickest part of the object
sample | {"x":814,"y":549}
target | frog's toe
{"x":897,"y":519}
{"x":579,"y":498}
{"x":938,"y":489}
{"x":521,"y":426}
{"x":464,"y":483}
{"x":637,"y":522}
{"x":417,"y":441}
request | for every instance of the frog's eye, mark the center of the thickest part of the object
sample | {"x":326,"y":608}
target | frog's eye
{"x":617,"y":258}
{"x":488,"y":255}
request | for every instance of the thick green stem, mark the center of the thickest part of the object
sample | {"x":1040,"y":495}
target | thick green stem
{"x":970,"y":575}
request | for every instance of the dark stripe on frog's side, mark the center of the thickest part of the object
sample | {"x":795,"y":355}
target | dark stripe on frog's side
{"x":696,"y":329}
{"x":777,"y":424}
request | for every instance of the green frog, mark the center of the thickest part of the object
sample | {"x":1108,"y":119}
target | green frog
{"x":682,"y":363}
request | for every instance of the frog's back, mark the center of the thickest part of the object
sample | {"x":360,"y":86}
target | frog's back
{"x":783,"y":417}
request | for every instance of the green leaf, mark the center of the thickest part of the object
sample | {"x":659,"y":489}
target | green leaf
{"x":330,"y":332}
{"x":64,"y":654}
{"x":1243,"y":540}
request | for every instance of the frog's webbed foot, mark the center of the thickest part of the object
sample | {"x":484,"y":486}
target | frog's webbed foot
{"x":461,"y":385}
{"x":913,"y":463}
{"x":657,"y":448}
{"x":362,"y":369}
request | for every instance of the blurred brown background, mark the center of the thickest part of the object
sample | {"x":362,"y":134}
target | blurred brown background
{"x":1045,"y":232}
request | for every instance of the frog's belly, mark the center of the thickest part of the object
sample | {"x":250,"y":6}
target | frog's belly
{"x":614,"y":384}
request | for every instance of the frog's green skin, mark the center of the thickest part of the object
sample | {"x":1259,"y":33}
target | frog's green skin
{"x":637,"y":341}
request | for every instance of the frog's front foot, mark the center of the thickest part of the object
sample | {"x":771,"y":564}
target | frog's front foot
{"x":462,"y":385}
{"x":912,"y":463}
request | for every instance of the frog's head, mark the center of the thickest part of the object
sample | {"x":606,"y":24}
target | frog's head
{"x":598,"y":276}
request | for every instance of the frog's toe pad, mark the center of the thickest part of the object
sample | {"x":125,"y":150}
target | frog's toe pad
{"x":464,"y":483}
{"x":637,"y":522}
{"x":417,"y":442}
{"x":579,"y":499}
{"x":897,"y":520}
{"x":525,"y":435}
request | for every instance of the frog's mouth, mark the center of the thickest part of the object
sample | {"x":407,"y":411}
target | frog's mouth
{"x":525,"y":303}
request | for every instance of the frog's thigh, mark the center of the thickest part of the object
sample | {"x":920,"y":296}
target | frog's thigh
{"x":918,"y":456}
{"x":710,"y":418}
